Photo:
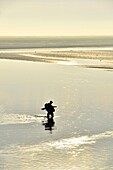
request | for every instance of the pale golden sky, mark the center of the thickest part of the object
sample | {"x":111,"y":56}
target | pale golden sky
{"x":61,"y":17}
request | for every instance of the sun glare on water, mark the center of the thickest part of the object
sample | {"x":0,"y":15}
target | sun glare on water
{"x":66,"y":63}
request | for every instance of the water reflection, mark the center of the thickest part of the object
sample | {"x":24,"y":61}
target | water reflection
{"x":62,"y":154}
{"x":84,"y":99}
{"x":13,"y":118}
{"x":49,"y":124}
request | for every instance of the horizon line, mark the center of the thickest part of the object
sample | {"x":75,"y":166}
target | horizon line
{"x":107,"y":35}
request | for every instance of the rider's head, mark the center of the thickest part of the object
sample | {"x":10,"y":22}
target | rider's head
{"x":51,"y":102}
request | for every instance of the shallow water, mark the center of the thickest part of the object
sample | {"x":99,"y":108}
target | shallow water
{"x":83,"y":134}
{"x":56,"y":42}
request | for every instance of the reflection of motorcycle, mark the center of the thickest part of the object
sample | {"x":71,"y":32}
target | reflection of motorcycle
{"x":49,"y":123}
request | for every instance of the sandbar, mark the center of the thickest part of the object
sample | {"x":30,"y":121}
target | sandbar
{"x":102,"y":59}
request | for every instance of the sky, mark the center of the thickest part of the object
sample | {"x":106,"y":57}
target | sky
{"x":56,"y":18}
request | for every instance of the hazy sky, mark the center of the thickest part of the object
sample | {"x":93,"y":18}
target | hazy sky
{"x":56,"y":17}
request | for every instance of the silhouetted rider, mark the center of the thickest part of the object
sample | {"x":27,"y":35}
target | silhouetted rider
{"x":50,"y":109}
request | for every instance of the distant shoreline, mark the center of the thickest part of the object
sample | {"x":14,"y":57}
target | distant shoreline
{"x":105,"y":58}
{"x":81,"y":54}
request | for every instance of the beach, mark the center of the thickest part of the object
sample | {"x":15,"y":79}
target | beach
{"x":83,"y":133}
{"x":86,"y":58}
{"x":80,"y":84}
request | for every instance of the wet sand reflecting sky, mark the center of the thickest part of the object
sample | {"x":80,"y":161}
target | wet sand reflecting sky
{"x":83,"y":134}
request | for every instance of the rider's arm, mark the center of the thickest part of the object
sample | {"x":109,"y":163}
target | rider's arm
{"x":42,"y":108}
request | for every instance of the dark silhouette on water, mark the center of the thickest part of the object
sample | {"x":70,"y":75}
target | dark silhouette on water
{"x":50,"y":115}
{"x":49,"y":124}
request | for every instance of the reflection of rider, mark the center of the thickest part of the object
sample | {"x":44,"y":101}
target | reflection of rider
{"x":50,"y":109}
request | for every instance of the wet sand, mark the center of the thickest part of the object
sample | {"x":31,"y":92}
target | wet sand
{"x":83,"y":134}
{"x":102,"y":59}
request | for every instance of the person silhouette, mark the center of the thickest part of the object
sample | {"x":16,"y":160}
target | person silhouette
{"x":50,"y":114}
{"x":50,"y":109}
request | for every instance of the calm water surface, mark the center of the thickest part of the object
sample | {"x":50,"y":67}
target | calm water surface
{"x":83,"y":135}
{"x":56,"y":42}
